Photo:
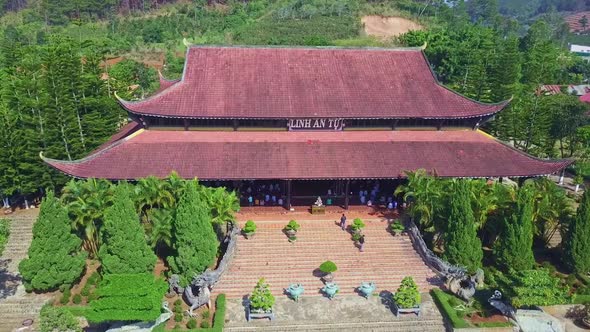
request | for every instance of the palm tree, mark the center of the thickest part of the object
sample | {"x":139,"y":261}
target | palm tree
{"x":161,"y":231}
{"x":425,"y":196}
{"x":483,"y":200}
{"x":552,"y":208}
{"x":86,"y":202}
{"x":152,"y":192}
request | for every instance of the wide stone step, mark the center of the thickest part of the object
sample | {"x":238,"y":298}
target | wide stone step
{"x":409,"y":326}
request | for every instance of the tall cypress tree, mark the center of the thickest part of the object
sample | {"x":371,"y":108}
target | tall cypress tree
{"x":462,"y":246}
{"x":124,"y":249}
{"x":577,"y":244}
{"x":195,"y":241}
{"x":514,"y":249}
{"x":55,"y":258}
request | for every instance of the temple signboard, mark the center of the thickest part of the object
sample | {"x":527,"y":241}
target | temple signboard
{"x":335,"y":124}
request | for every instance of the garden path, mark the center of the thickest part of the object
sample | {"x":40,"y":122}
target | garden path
{"x":342,"y":314}
{"x":15,"y":304}
{"x":268,"y":254}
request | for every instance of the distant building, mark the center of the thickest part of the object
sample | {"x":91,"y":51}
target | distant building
{"x":574,"y":22}
{"x":581,"y":50}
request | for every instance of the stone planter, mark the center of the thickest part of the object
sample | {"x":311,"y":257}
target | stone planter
{"x":328,"y":278}
{"x":330,"y":289}
{"x":398,"y":310}
{"x":586,"y":322}
{"x":248,"y":235}
{"x":258,"y":313}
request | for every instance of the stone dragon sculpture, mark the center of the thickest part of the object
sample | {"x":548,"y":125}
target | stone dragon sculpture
{"x":198,"y":293}
{"x":456,"y":278}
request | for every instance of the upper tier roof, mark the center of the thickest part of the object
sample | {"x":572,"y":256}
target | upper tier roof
{"x":306,"y":155}
{"x":273,"y":82}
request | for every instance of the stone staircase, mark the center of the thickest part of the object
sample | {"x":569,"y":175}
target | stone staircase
{"x":15,"y":304}
{"x":386,"y":260}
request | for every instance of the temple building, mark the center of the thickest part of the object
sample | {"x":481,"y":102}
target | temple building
{"x":305,"y":122}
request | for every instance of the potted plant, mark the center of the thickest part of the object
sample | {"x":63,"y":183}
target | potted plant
{"x":407,"y":298}
{"x":249,"y":229}
{"x":356,"y":237}
{"x":291,"y":230}
{"x":261,"y":301}
{"x":397,"y":227}
{"x":328,"y":267}
{"x":357,"y":226}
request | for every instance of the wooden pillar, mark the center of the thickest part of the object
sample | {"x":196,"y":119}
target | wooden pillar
{"x":235,"y":124}
{"x":440,"y":124}
{"x":289,"y":195}
{"x":347,"y":194}
{"x":186,"y":124}
{"x":394,"y":124}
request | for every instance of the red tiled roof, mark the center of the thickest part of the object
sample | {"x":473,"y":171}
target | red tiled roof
{"x":574,"y":21}
{"x":247,"y":82}
{"x":306,"y":155}
{"x":125,"y":131}
{"x":585,"y":98}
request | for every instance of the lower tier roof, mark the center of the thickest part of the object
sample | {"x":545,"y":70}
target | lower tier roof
{"x":306,"y":155}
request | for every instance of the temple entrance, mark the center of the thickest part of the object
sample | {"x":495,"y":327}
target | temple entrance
{"x":305,"y":192}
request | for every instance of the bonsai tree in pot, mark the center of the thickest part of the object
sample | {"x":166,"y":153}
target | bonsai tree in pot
{"x":357,"y":226}
{"x":249,"y":229}
{"x":407,"y":298}
{"x":291,"y":230}
{"x":328,"y":267}
{"x":397,"y":227}
{"x":261,"y":299}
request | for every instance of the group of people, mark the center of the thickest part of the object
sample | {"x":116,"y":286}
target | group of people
{"x":377,"y":197}
{"x":261,"y":194}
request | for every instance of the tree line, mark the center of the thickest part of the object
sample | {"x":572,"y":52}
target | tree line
{"x":490,"y":61}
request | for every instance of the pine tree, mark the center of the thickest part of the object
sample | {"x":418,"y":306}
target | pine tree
{"x":514,"y":249}
{"x":577,"y":244}
{"x":462,"y":246}
{"x":124,"y":248}
{"x":195,"y":241}
{"x":54,"y":258}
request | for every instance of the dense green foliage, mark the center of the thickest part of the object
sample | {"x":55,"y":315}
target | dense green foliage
{"x":4,"y":233}
{"x":57,"y":319}
{"x":127,"y":297}
{"x":261,"y":297}
{"x":54,"y":257}
{"x":577,"y":243}
{"x":52,"y":102}
{"x":462,"y":246}
{"x":536,"y":288}
{"x":124,"y":249}
{"x":195,"y":242}
{"x":514,"y":249}
{"x":407,"y":295}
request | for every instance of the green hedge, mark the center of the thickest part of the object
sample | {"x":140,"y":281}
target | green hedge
{"x":580,"y":299}
{"x":442,"y":300}
{"x":77,"y":310}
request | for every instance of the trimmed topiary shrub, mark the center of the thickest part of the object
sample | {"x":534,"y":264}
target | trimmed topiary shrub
{"x":249,"y":227}
{"x":357,"y":225}
{"x":77,"y":299}
{"x":328,"y":267}
{"x":57,"y":319}
{"x":192,"y":323}
{"x":65,"y":297}
{"x":86,"y":290}
{"x":178,"y":317}
{"x":407,"y":295}
{"x":261,"y":297}
{"x":54,"y":255}
{"x":205,"y":324}
{"x":206,"y":314}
